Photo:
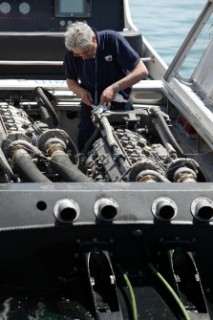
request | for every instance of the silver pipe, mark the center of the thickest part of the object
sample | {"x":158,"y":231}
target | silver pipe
{"x":164,"y":209}
{"x":106,"y":209}
{"x":66,"y":211}
{"x":202,"y":209}
{"x":109,"y":134}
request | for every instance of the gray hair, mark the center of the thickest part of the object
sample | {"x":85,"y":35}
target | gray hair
{"x":78,"y":36}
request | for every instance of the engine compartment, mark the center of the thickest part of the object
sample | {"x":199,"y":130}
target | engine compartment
{"x":136,"y":146}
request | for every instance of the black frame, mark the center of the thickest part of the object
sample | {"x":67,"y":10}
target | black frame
{"x":86,"y":11}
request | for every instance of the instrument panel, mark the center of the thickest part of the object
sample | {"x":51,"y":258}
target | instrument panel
{"x":43,"y":16}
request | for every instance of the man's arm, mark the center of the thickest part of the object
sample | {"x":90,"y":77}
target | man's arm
{"x":140,"y":72}
{"x":83,"y":93}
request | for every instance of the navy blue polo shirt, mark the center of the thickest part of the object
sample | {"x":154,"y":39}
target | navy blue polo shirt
{"x":115,"y":58}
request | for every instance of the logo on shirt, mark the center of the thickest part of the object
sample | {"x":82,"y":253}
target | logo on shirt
{"x":108,"y":58}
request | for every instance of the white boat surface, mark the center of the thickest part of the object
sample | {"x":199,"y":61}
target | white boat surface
{"x":123,"y":230}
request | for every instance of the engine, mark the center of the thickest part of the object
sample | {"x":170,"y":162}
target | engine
{"x":136,"y":146}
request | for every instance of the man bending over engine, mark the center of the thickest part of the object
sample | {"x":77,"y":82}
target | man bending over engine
{"x":98,"y":65}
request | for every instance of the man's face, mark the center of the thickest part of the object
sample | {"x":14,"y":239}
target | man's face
{"x":88,"y":52}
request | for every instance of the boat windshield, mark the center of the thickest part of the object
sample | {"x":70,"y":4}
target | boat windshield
{"x":193,"y":49}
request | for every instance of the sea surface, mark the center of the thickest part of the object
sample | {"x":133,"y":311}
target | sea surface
{"x":165,"y":23}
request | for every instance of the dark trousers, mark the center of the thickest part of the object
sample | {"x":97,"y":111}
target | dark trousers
{"x":86,"y":127}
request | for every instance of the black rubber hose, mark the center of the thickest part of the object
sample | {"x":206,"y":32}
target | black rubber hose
{"x":40,"y":92}
{"x":170,"y":149}
{"x":60,"y":161}
{"x":156,"y":112}
{"x":90,"y":141}
{"x":45,"y":115}
{"x":4,"y":165}
{"x":26,"y":168}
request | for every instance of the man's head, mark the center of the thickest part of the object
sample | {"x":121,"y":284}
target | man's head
{"x":81,"y":40}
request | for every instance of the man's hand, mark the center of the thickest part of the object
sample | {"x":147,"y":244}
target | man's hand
{"x":86,"y":97}
{"x":108,"y":94}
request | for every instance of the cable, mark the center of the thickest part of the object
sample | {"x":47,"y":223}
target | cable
{"x":132,"y":296}
{"x":170,"y":289}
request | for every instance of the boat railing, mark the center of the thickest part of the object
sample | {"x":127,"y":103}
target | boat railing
{"x":45,"y":63}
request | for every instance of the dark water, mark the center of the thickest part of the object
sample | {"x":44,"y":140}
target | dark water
{"x":165,"y":23}
{"x":32,"y":308}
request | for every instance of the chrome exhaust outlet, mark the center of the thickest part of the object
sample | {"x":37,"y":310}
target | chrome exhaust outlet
{"x":66,"y":211}
{"x":106,"y":209}
{"x":202,"y":209}
{"x":164,"y":209}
